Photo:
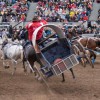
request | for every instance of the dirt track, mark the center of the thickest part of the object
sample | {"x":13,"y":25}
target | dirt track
{"x":86,"y":86}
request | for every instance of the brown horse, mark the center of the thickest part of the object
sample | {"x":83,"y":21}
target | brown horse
{"x":86,"y":55}
{"x":90,"y":43}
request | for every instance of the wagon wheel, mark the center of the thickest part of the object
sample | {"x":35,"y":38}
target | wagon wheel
{"x":77,"y":53}
{"x":89,"y":60}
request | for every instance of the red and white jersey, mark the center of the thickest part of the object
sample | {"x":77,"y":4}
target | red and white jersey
{"x":32,"y":26}
{"x":29,"y":27}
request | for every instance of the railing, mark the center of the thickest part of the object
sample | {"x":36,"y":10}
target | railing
{"x":56,"y":23}
{"x":17,"y":24}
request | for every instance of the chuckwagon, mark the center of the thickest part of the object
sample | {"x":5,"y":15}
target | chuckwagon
{"x":56,"y":52}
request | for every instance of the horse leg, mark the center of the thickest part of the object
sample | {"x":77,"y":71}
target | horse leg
{"x":89,"y":60}
{"x":33,"y":68}
{"x":30,"y":64}
{"x":2,"y":55}
{"x":22,"y":55}
{"x":5,"y":64}
{"x":63,"y":77}
{"x":24,"y":66}
{"x":92,"y":56}
{"x":36,"y":73}
{"x":83,"y":62}
{"x":14,"y":65}
{"x":72,"y":72}
{"x":40,"y":73}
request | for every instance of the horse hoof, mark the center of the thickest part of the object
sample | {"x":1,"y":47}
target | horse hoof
{"x":73,"y":77}
{"x":37,"y":76}
{"x":12,"y":74}
{"x":6,"y":67}
{"x":63,"y":81}
{"x":1,"y":58}
{"x":25,"y":70}
{"x":39,"y":79}
{"x":92,"y":66}
{"x":84,"y":65}
{"x":31,"y":71}
{"x":26,"y":73}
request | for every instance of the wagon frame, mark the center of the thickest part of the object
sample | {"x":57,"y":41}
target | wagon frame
{"x":67,"y":60}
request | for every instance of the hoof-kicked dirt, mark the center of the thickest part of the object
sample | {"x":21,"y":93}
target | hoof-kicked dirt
{"x":86,"y":85}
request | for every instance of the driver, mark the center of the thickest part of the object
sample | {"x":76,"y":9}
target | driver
{"x":31,"y":27}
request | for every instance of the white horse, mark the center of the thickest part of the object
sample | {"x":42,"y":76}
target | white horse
{"x":11,"y":51}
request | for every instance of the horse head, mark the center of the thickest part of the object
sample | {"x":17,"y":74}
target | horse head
{"x":97,"y":42}
{"x":15,"y":35}
{"x":93,"y":43}
{"x":4,"y":38}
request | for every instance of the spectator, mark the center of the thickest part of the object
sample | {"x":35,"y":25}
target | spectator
{"x":85,"y":18}
{"x":15,"y":13}
{"x":98,"y":20}
{"x":64,"y":10}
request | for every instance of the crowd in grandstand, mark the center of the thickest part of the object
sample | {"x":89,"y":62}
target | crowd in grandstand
{"x":98,"y":20}
{"x":64,"y":10}
{"x":51,"y":11}
{"x":17,"y":12}
{"x":77,"y":30}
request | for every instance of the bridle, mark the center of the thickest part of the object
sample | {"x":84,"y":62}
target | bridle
{"x":97,"y":43}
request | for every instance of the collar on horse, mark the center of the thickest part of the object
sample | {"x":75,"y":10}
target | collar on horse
{"x":87,"y":42}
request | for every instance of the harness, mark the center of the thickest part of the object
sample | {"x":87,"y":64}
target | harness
{"x":87,"y":42}
{"x":27,"y":43}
